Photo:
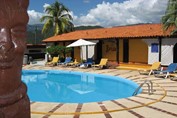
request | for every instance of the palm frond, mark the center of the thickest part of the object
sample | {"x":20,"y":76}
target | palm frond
{"x":47,"y":26}
{"x":170,"y":17}
{"x":176,"y":21}
{"x":67,"y":16}
{"x":174,"y":32}
{"x":57,"y":18}
{"x":45,"y":18}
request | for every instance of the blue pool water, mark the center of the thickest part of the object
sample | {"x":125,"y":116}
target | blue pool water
{"x":75,"y":87}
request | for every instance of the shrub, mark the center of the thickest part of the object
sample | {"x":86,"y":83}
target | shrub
{"x":58,"y":50}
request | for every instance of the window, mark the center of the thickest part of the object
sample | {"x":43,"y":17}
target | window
{"x":33,"y":51}
{"x":154,"y":47}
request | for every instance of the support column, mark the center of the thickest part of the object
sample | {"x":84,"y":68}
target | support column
{"x":72,"y":53}
{"x":64,"y":52}
{"x":86,"y":52}
{"x":160,"y":48}
{"x":117,"y":50}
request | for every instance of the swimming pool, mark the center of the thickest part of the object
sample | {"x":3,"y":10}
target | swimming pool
{"x":75,"y":87}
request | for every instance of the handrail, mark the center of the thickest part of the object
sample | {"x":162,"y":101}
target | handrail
{"x":150,"y":87}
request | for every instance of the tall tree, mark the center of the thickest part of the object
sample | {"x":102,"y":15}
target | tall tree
{"x":169,"y":20}
{"x":58,"y":20}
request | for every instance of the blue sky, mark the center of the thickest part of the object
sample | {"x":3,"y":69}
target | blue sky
{"x":106,"y":13}
{"x":79,"y":7}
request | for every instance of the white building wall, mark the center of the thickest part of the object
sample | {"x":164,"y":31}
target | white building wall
{"x":152,"y":57}
{"x":167,"y":50}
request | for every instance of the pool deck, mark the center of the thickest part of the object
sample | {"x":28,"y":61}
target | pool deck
{"x":161,"y":104}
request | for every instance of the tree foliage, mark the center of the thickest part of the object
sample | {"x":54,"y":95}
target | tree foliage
{"x":58,"y":50}
{"x":58,"y":20}
{"x":169,"y":20}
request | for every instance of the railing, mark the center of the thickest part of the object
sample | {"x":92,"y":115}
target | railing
{"x":150,"y":87}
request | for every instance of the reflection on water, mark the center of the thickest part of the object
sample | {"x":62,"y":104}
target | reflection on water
{"x":73,"y":87}
{"x":86,"y":85}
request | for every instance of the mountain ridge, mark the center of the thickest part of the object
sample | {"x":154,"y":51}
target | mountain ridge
{"x":34,"y":35}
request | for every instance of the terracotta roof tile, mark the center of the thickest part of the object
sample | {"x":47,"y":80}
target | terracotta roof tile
{"x":134,"y":31}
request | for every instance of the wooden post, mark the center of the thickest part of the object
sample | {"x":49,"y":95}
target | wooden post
{"x":160,"y":48}
{"x":117,"y":50}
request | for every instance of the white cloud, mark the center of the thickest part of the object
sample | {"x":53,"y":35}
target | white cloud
{"x":34,"y":17}
{"x":128,"y":12}
{"x":45,"y":6}
{"x":115,"y":14}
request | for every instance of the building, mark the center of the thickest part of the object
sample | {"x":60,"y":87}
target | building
{"x":142,"y":43}
{"x":35,"y":51}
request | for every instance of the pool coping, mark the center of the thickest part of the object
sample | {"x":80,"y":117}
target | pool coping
{"x":100,"y":112}
{"x":154,"y":99}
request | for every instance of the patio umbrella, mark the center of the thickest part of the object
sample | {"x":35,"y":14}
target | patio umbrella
{"x":81,"y":42}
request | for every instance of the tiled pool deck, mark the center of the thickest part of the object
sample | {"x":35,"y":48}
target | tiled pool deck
{"x":161,"y":104}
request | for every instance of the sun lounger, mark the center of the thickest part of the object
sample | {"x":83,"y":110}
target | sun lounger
{"x":155,"y":66}
{"x":67,"y":60}
{"x":102,"y":63}
{"x":165,"y":73}
{"x":87,"y":64}
{"x":53,"y":62}
{"x":173,"y":76}
{"x":75,"y":63}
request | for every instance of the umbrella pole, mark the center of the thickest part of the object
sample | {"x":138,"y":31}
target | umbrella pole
{"x":86,"y":52}
{"x":81,"y":54}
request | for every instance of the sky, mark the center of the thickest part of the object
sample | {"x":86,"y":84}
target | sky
{"x":105,"y":13}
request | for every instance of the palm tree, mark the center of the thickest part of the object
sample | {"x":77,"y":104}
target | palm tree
{"x":58,"y":20}
{"x":169,"y":20}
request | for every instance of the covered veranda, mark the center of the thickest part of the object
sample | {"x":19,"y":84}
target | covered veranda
{"x":123,"y":44}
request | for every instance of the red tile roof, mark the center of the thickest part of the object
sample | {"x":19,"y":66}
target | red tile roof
{"x":133,"y":31}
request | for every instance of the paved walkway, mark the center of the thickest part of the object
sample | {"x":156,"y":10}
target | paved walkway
{"x":161,"y":104}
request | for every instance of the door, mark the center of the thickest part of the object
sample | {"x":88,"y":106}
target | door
{"x":175,"y":53}
{"x":125,"y":50}
{"x":99,"y":51}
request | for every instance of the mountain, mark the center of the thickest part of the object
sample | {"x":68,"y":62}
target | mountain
{"x":86,"y":27}
{"x":34,"y":35}
{"x":33,"y":27}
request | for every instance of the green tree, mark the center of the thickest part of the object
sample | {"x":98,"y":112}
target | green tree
{"x":58,"y":50}
{"x":58,"y":20}
{"x":169,"y":20}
